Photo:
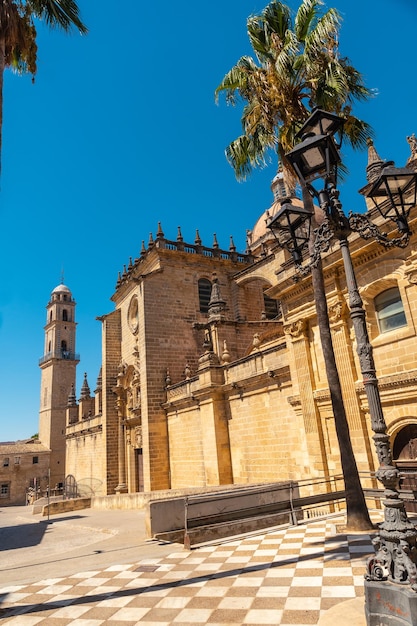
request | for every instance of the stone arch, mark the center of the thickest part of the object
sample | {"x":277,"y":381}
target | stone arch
{"x":404,"y":447}
{"x":401,"y":432}
{"x":388,"y":270}
{"x":251,"y":296}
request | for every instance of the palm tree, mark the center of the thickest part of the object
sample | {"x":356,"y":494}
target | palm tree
{"x":298,"y":66}
{"x":18,"y":48}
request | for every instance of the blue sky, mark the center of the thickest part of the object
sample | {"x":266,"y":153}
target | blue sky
{"x":120,"y":131}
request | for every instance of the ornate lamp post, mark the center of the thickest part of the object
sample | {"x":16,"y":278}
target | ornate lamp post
{"x":391,"y":576}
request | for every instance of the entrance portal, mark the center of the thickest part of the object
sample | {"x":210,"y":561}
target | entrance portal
{"x":405,"y":458}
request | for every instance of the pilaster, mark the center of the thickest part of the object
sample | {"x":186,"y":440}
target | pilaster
{"x":297,"y":334}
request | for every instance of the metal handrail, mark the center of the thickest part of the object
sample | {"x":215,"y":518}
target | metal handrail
{"x":59,"y":354}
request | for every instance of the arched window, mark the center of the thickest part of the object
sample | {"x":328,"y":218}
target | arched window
{"x":204,"y":294}
{"x":389,"y":310}
{"x":65,"y":315}
{"x":50,"y":316}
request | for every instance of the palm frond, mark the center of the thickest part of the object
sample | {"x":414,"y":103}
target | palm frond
{"x":236,"y":80}
{"x":267,"y":31}
{"x":258,"y":37}
{"x":355,"y":83}
{"x":63,"y":14}
{"x":248,"y":152}
{"x":323,"y":38}
{"x":285,"y":59}
{"x":357,"y":132}
{"x":306,"y":17}
{"x":278,"y":18}
{"x":20,"y":48}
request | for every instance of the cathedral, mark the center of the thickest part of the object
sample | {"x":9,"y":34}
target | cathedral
{"x":212,"y":368}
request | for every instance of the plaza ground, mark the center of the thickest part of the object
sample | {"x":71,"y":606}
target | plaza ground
{"x":95,"y":567}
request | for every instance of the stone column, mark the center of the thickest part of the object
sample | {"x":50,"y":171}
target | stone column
{"x":120,"y":403}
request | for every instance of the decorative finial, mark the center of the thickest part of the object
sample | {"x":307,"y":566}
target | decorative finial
{"x":217,"y":305}
{"x":232,"y":246}
{"x":187,"y":371}
{"x":85,"y":389}
{"x":179,"y":235}
{"x":143,"y":249}
{"x":159,"y":232}
{"x":99,"y":383}
{"x":375,"y":163}
{"x":215,"y":243}
{"x":225,"y":353}
{"x":197,"y":240}
{"x":150,"y":242}
{"x":167,"y":379}
{"x":71,"y":397}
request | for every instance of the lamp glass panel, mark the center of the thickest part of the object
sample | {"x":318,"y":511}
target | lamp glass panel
{"x":293,"y":218}
{"x":302,"y":233}
{"x":314,"y":158}
{"x":322,"y":122}
{"x":399,"y":185}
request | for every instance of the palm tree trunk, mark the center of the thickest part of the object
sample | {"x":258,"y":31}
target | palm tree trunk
{"x":2,"y":67}
{"x":357,"y":515}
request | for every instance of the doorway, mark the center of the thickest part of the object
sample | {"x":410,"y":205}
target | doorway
{"x":139,"y":468}
{"x":405,"y":459}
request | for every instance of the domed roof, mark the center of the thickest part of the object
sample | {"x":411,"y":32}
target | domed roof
{"x":61,"y":289}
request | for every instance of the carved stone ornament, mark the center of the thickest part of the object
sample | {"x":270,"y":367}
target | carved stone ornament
{"x":133,"y":315}
{"x":336,"y":311}
{"x":412,"y":275}
{"x":225,"y":353}
{"x":296,"y":329}
{"x":138,"y":437}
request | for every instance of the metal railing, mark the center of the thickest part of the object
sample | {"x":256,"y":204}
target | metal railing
{"x":307,"y":500}
{"x":59,"y":354}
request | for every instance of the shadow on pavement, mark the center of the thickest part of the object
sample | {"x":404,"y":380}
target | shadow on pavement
{"x":27,"y":535}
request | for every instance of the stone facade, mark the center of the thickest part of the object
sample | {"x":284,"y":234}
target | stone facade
{"x":24,"y":467}
{"x":203,"y":383}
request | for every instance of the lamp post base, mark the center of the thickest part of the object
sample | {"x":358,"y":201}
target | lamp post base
{"x":389,"y":604}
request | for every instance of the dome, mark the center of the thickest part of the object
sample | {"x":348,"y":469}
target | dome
{"x":61,"y":293}
{"x":62,"y":289}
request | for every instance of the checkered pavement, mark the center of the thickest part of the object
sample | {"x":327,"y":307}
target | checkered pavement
{"x":283,"y":576}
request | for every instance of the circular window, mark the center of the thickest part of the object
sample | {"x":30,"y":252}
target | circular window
{"x":133,"y":315}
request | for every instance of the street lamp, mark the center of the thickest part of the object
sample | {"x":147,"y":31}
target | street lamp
{"x":394,"y":193}
{"x":292,"y":223}
{"x":322,"y":122}
{"x":315,"y":157}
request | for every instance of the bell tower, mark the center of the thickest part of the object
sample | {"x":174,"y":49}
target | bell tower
{"x":58,"y":373}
